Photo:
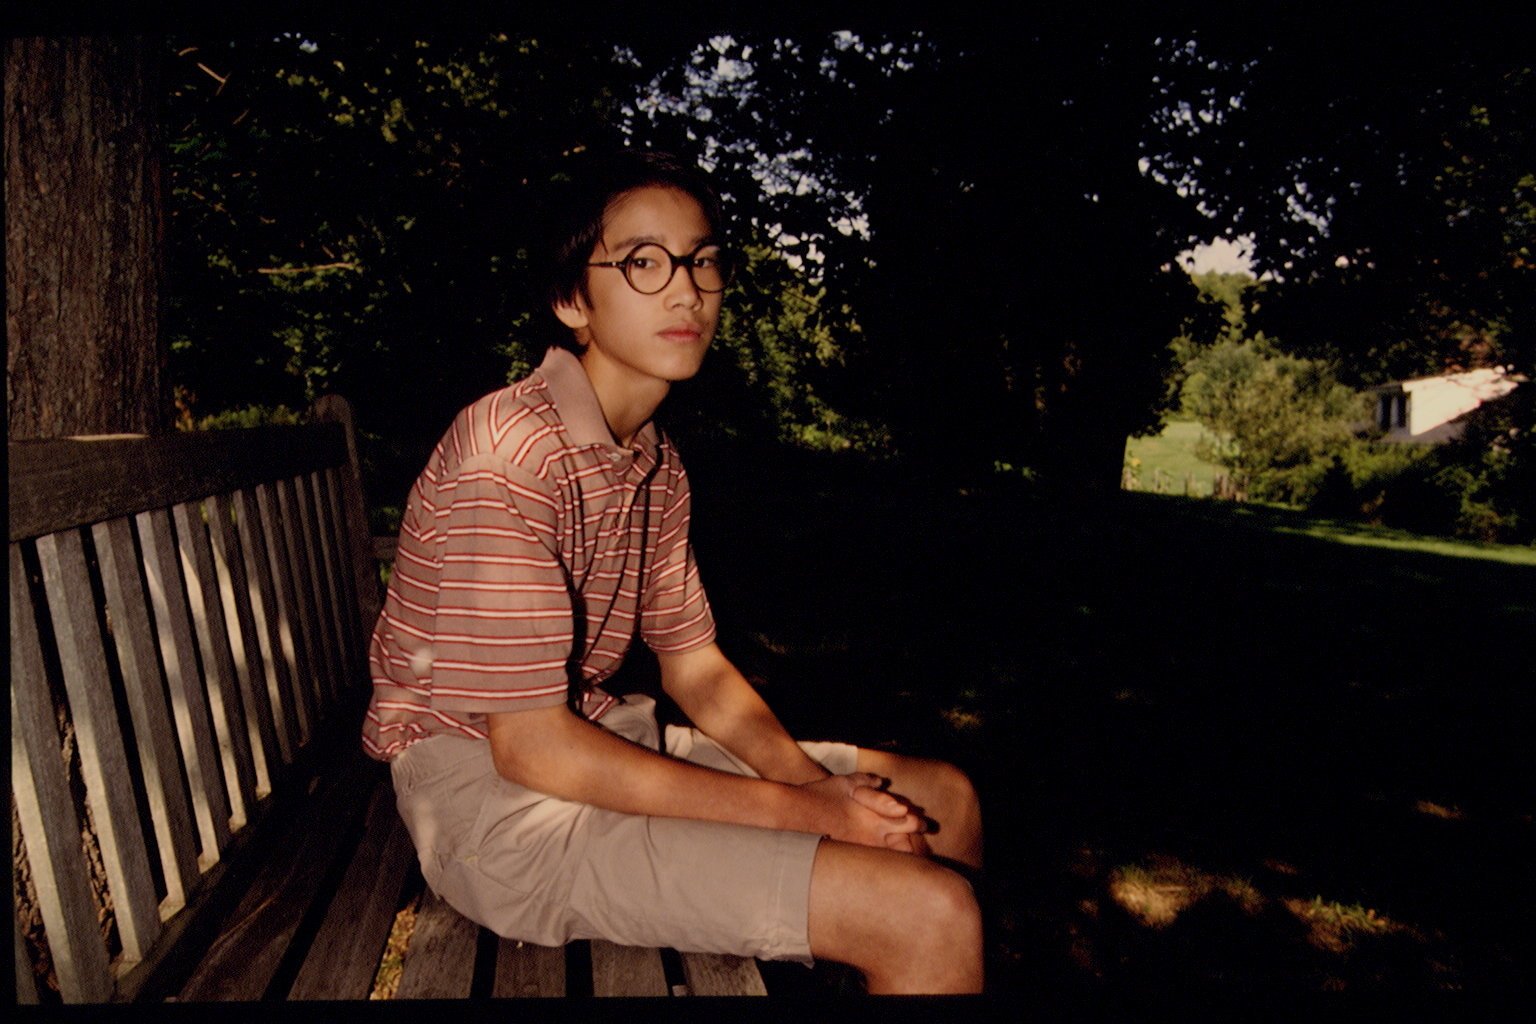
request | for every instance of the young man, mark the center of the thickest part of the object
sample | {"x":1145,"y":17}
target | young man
{"x":549,"y":527}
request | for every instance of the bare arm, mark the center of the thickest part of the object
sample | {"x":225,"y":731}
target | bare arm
{"x":553,"y":751}
{"x":719,"y":700}
{"x":728,"y":709}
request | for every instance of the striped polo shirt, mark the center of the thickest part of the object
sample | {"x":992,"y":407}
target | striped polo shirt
{"x":529,"y":547}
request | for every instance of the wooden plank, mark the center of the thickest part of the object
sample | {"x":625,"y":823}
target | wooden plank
{"x":278,"y":659}
{"x":323,"y":607}
{"x":716,"y":974}
{"x":287,"y":567}
{"x":335,"y":409}
{"x":99,"y":739}
{"x":50,"y":828}
{"x":243,"y":647}
{"x":133,"y":633}
{"x":525,"y":970}
{"x":440,"y":960}
{"x":255,"y":937}
{"x":354,"y":642}
{"x":218,"y":665}
{"x":344,"y":958}
{"x":178,"y":653}
{"x":626,"y":970}
{"x":66,"y":482}
{"x":281,"y":566}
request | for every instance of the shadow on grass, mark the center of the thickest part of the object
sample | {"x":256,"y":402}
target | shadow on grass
{"x":1150,"y":680}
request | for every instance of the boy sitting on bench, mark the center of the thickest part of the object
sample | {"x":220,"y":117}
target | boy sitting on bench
{"x":549,"y":527}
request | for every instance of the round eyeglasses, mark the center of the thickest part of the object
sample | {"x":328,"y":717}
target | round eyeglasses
{"x":650,"y":267}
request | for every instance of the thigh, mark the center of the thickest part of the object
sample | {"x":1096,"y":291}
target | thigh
{"x":693,"y":885}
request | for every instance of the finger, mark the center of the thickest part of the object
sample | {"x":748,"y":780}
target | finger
{"x":883,"y":804}
{"x":901,"y":842}
{"x":869,"y":779}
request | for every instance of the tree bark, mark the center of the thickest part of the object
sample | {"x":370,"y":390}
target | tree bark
{"x":83,"y":237}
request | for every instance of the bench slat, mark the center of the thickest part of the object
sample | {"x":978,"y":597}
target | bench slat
{"x":277,"y":654}
{"x":626,"y":970}
{"x":132,"y":633}
{"x":524,"y":969}
{"x":99,"y":739}
{"x":306,"y":587}
{"x":256,"y":935}
{"x":277,"y":520}
{"x":715,"y":974}
{"x":162,"y":570}
{"x":328,"y":588}
{"x":218,"y":667}
{"x":249,"y":673}
{"x":49,"y":826}
{"x":353,"y":517}
{"x":440,"y":961}
{"x":356,"y":642}
{"x":344,"y":958}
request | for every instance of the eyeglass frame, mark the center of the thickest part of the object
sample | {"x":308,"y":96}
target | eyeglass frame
{"x":726,"y":255}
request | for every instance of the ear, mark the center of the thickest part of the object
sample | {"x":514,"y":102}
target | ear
{"x":573,"y":314}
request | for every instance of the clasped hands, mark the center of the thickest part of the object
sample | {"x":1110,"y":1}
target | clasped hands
{"x":863,"y":811}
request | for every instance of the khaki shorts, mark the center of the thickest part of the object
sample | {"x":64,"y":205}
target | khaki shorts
{"x":545,"y":870}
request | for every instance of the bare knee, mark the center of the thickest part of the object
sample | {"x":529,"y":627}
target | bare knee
{"x":947,"y":904}
{"x":957,"y":810}
{"x":941,"y":950}
{"x":909,"y":924}
{"x":959,"y":792}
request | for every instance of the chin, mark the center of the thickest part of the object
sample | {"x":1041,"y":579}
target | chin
{"x":682,"y":369}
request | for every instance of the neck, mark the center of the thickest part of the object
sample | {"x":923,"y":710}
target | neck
{"x":628,"y":402}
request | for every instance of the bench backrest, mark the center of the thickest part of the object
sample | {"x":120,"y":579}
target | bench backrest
{"x":186,"y":611}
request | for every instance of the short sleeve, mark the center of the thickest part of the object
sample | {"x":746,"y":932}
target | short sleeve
{"x":504,"y":615}
{"x":675,"y":613}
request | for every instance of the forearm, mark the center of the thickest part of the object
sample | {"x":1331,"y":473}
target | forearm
{"x":554,"y":752}
{"x":729,"y":710}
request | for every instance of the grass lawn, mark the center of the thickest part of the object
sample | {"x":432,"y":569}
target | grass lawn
{"x":1166,"y":463}
{"x":1219,"y":746}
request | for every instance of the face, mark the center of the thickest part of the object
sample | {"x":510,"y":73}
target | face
{"x":635,"y":340}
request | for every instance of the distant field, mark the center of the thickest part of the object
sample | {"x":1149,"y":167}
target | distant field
{"x":1167,"y":463}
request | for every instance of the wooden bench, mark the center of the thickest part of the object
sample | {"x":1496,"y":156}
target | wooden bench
{"x":189,"y":620}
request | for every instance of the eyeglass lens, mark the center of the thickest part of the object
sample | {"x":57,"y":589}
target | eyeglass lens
{"x":650,"y":267}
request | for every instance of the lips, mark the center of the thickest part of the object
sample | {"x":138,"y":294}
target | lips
{"x":682,"y":332}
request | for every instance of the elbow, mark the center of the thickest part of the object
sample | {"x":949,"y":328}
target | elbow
{"x":525,"y":745}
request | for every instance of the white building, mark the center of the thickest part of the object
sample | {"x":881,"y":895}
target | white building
{"x":1427,"y":410}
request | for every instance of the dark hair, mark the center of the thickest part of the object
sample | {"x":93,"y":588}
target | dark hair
{"x":594,"y":181}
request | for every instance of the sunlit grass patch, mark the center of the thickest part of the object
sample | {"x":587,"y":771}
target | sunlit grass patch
{"x":1170,"y":460}
{"x":1430,"y":809}
{"x":1335,"y":926}
{"x":1386,"y":537}
{"x":1155,"y":894}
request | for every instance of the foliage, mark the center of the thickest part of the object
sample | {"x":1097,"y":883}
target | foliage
{"x":396,"y":269}
{"x":1480,"y":486}
{"x":1276,"y":418}
{"x":958,"y":221}
{"x":354,"y":214}
{"x":243,"y":417}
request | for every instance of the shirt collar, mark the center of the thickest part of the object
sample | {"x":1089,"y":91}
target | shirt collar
{"x":577,"y":403}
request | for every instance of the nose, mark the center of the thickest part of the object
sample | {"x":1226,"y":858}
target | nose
{"x":681,"y":291}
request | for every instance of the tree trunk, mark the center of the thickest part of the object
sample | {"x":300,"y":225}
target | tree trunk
{"x":83,"y":237}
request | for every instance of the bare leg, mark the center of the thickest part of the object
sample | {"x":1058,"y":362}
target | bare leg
{"x":912,"y":926}
{"x":939,"y":791}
